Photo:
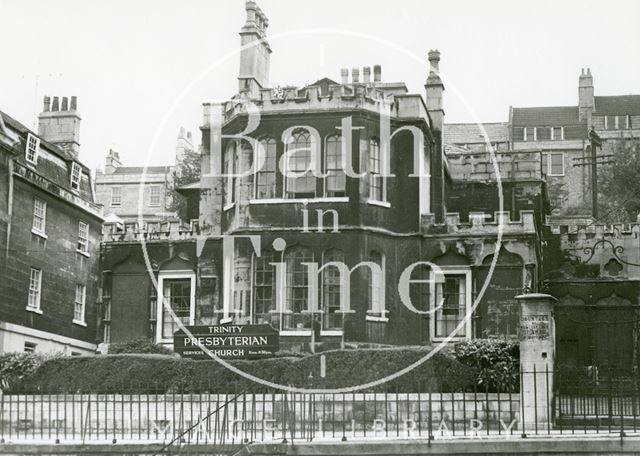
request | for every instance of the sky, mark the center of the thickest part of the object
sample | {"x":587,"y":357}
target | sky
{"x":142,"y":68}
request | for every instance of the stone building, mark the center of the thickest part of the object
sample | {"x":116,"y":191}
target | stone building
{"x":130,"y":192}
{"x":259,"y":231}
{"x":50,"y":229}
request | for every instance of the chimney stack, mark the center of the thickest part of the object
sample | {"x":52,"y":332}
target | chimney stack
{"x":377,"y":73}
{"x":586,"y":100}
{"x":344,"y":75}
{"x":112,"y":162}
{"x":254,"y":57}
{"x":434,"y":88}
{"x":366,"y":75}
{"x":61,"y":126}
{"x":355,"y":75}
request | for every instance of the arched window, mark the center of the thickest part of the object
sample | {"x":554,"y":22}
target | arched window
{"x":376,"y":279}
{"x":266,"y":177}
{"x":377,"y":190}
{"x":230,"y":166}
{"x":299,"y":159}
{"x":296,"y":288}
{"x":263,"y":290}
{"x":331,"y":288}
{"x":335,"y":181}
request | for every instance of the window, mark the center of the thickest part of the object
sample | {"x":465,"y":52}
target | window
{"x":83,"y":237}
{"x":629,"y":126}
{"x":263,"y":291}
{"x":266,"y":176}
{"x":79,"y":304}
{"x":30,"y":347}
{"x":299,"y":160}
{"x":75,"y":176}
{"x":610,"y":122}
{"x":31,"y":152}
{"x":335,"y":181}
{"x":177,"y":291}
{"x":230,"y":167}
{"x":376,"y":280}
{"x":39,"y":216}
{"x":154,"y":195}
{"x":544,"y":134}
{"x":530,"y":134}
{"x":557,"y":133}
{"x":35,"y":286}
{"x":331,"y":288}
{"x":116,"y":196}
{"x":451,"y":305}
{"x":296,"y":288}
{"x":552,"y":164}
{"x":377,"y":183}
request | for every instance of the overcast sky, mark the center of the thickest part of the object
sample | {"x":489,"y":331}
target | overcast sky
{"x":129,"y":61}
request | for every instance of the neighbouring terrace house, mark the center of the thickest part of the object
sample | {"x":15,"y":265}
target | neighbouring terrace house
{"x":399,"y":223}
{"x":50,"y":228}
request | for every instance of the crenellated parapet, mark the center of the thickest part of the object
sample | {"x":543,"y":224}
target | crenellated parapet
{"x":480,"y":223}
{"x":160,"y":231}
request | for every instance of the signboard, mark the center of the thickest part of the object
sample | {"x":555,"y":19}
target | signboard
{"x":227,"y":341}
{"x":534,"y":327}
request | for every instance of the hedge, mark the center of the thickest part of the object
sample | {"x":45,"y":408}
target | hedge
{"x":497,"y":362}
{"x":166,"y":374}
{"x":138,"y":346}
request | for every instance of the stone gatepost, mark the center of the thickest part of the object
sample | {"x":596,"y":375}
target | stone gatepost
{"x":537,"y":356}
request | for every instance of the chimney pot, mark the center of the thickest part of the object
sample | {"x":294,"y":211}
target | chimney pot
{"x":588,"y":71}
{"x":377,"y":73}
{"x":366,"y":75}
{"x":355,"y":75}
{"x":56,"y":104}
{"x":434,"y":60}
{"x":47,"y":104}
{"x":344,"y":74}
{"x":74,"y":103}
{"x":65,"y":104}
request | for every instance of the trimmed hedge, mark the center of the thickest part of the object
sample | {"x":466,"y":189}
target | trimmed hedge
{"x":497,"y":362}
{"x":164,"y":374}
{"x":14,"y":367}
{"x":138,"y":346}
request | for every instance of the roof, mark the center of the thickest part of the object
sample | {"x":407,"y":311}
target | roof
{"x":466,"y":133}
{"x":546,"y":116}
{"x":142,"y":170}
{"x":618,"y":105}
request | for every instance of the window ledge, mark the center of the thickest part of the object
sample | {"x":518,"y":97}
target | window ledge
{"x":38,"y":233}
{"x":453,"y":339}
{"x":229,"y":206}
{"x":332,"y":332}
{"x":79,"y":323}
{"x":328,"y":199}
{"x":34,"y":310}
{"x":294,"y":332}
{"x":83,"y":253}
{"x":379,"y":203}
{"x":377,"y":318}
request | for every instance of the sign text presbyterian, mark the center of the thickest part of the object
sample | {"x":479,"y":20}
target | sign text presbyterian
{"x":227,"y":341}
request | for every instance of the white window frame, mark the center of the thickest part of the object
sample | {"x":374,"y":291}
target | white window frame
{"x":526,"y":134}
{"x":40,"y":231}
{"x":76,"y":176}
{"x":80,"y":302}
{"x":119,"y":200}
{"x":83,"y":241}
{"x":165,"y":275}
{"x":561,"y":138}
{"x":383,"y":160}
{"x":380,"y":313}
{"x":153,"y":188}
{"x":37,"y":291}
{"x":457,"y":271}
{"x":549,"y":167}
{"x":32,"y":146}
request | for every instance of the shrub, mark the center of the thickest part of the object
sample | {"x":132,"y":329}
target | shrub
{"x":160,"y":374}
{"x":15,"y":366}
{"x":138,"y":346}
{"x":497,"y":362}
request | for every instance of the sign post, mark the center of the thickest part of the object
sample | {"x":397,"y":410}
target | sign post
{"x":227,"y":341}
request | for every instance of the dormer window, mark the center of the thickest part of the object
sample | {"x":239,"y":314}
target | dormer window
{"x":557,"y":133}
{"x":75,"y":176}
{"x":31,"y":152}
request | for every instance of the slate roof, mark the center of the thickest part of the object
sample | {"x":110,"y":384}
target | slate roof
{"x":618,"y":105}
{"x":469,"y":133}
{"x":545,"y":116}
{"x":22,"y":129}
